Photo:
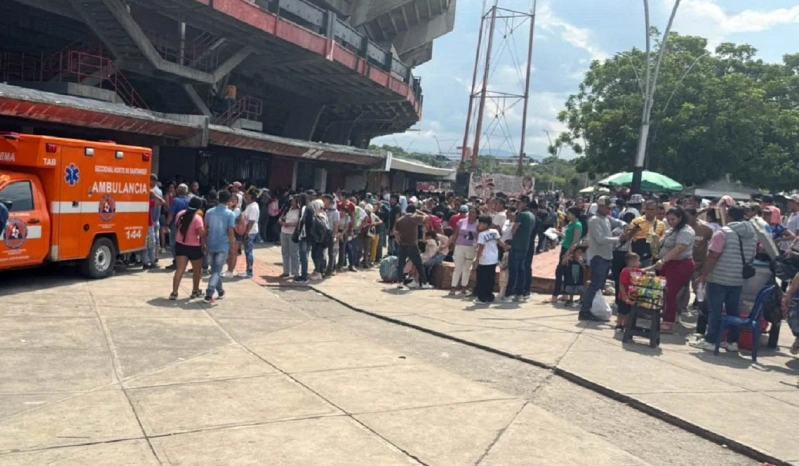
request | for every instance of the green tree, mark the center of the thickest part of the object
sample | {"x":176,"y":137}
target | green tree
{"x":714,"y":114}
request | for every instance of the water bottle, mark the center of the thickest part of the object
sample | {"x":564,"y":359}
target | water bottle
{"x":700,"y":293}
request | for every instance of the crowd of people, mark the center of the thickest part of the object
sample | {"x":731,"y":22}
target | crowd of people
{"x":693,"y":243}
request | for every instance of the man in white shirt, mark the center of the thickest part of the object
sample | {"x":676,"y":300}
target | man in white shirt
{"x":499,"y":218}
{"x":252,"y":213}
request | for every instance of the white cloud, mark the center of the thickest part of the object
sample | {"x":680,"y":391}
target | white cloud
{"x":580,"y":38}
{"x":542,"y":116}
{"x":708,"y":19}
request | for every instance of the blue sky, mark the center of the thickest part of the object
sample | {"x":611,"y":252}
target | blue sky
{"x":569,"y":34}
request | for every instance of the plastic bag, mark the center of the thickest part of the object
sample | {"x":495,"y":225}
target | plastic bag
{"x":600,"y":308}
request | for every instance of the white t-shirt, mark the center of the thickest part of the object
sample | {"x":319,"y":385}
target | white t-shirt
{"x":489,"y":239}
{"x":292,"y":216}
{"x":507,"y":231}
{"x":252,"y":212}
{"x":499,"y":219}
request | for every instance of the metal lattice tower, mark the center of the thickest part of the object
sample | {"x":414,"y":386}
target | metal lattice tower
{"x":497,"y":49}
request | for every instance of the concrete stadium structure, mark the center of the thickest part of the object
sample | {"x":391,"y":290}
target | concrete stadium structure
{"x":265,"y":90}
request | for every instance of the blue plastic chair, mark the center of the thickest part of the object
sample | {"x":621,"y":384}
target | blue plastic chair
{"x":752,"y":322}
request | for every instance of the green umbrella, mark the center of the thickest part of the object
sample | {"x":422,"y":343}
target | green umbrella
{"x":650,"y":181}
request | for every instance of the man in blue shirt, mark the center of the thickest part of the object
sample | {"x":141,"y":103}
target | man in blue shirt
{"x":220,"y":223}
{"x":179,"y":204}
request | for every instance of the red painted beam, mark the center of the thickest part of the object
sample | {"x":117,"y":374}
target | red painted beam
{"x":271,"y":24}
{"x":92,"y":119}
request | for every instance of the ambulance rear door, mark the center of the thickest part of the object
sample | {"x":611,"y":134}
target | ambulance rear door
{"x":72,"y":215}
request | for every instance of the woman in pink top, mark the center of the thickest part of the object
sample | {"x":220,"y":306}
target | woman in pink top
{"x":189,"y":247}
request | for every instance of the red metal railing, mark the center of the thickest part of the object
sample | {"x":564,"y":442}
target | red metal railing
{"x":246,"y":108}
{"x":73,"y":66}
{"x":87,"y":66}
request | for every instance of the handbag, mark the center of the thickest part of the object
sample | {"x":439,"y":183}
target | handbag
{"x":748,"y":269}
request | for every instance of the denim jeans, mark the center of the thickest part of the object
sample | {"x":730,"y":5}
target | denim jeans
{"x":248,"y":251}
{"x":599,"y":274}
{"x":516,"y":269}
{"x":721,"y":298}
{"x":352,"y":251}
{"x":151,"y":251}
{"x":527,"y":276}
{"x":381,"y":244}
{"x":304,"y":246}
{"x":318,"y":257}
{"x":291,"y":255}
{"x":392,"y":246}
{"x":332,"y":255}
{"x":218,"y":262}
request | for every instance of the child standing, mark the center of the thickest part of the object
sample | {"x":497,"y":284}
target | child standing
{"x":625,"y":302}
{"x":574,"y":280}
{"x":488,"y":244}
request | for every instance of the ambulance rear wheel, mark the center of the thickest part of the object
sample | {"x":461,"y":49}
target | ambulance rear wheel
{"x":101,"y":260}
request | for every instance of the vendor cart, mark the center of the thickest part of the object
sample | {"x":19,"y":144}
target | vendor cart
{"x":644,"y":319}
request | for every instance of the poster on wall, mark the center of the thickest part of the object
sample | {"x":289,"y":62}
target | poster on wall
{"x":433,"y":186}
{"x":486,"y":185}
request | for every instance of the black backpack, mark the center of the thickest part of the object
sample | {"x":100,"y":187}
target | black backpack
{"x":320,"y":233}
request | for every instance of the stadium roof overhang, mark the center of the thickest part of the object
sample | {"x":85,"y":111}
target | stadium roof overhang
{"x":242,"y":139}
{"x":419,"y":168}
{"x":192,"y":130}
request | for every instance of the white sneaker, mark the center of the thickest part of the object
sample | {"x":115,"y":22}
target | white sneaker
{"x":243,"y":275}
{"x":703,"y":344}
{"x":426,"y":286}
{"x":413,"y":285}
{"x":731,"y":347}
{"x":401,"y":287}
{"x":506,"y":299}
{"x":227,"y":275}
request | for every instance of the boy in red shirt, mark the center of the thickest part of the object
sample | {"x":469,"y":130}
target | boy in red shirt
{"x":626,"y":289}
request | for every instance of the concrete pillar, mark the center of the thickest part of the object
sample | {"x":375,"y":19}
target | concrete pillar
{"x":338,"y":132}
{"x":156,"y":160}
{"x":294,"y":175}
{"x":320,"y":179}
{"x":302,"y":121}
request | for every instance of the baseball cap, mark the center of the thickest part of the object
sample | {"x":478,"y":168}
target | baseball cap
{"x":236,"y":184}
{"x":794,"y":198}
{"x":464,"y":209}
{"x":605,"y":201}
{"x":636,"y":199}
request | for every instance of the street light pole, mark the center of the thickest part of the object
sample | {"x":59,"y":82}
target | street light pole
{"x":651,"y":85}
{"x":555,"y":163}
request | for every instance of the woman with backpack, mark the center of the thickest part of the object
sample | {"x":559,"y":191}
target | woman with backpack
{"x":300,"y":237}
{"x":320,"y":237}
{"x":189,"y":247}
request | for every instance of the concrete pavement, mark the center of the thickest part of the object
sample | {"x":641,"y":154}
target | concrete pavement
{"x":110,"y":372}
{"x":753,"y":407}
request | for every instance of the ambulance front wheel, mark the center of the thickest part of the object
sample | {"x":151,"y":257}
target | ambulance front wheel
{"x":101,"y":260}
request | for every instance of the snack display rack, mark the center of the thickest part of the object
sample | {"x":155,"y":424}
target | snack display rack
{"x":644,"y":320}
